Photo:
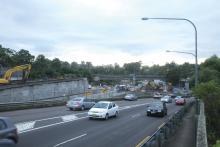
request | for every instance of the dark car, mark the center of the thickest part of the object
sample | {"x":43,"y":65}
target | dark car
{"x":157,"y":108}
{"x":8,"y":131}
{"x":7,"y":143}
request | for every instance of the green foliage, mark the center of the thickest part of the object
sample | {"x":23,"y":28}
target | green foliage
{"x":43,"y":68}
{"x":6,"y":57}
{"x":217,"y":144}
{"x":209,"y":92}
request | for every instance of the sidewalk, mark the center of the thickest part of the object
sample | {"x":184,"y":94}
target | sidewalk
{"x":185,"y":135}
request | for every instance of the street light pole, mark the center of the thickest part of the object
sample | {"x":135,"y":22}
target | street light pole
{"x":194,"y":26}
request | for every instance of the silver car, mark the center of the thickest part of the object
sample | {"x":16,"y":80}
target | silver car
{"x":80,"y":103}
{"x":130,"y":97}
{"x":8,"y":132}
{"x":166,"y":99}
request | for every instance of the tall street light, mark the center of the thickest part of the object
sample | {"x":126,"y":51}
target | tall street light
{"x":195,"y":55}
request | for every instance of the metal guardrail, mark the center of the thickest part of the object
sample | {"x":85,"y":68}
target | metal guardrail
{"x":167,"y":129}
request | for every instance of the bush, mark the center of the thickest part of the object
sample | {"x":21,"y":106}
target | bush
{"x":210,"y":93}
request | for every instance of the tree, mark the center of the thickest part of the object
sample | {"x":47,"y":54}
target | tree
{"x":41,"y":68}
{"x":209,"y":92}
{"x":132,"y":68}
{"x":23,"y":57}
{"x":6,"y":57}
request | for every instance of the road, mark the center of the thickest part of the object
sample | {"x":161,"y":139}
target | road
{"x":59,"y":127}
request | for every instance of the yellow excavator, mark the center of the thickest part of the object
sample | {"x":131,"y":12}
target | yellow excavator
{"x":25,"y":69}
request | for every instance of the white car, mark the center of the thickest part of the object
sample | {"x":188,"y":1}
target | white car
{"x":166,"y":99}
{"x":104,"y":110}
{"x":157,"y":95}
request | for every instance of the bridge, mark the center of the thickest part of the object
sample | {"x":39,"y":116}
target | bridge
{"x":128,"y":77}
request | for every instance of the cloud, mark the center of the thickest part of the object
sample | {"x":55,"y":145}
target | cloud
{"x":99,"y":31}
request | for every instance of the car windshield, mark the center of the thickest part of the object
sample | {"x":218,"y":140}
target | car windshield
{"x":101,"y":105}
{"x":166,"y":97}
{"x":155,"y":105}
{"x":178,"y":97}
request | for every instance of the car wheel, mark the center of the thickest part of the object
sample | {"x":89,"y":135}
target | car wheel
{"x":116,"y":113}
{"x":71,"y":109}
{"x":82,"y":108}
{"x":106,"y":116}
{"x":148,"y":114}
{"x":90,"y":118}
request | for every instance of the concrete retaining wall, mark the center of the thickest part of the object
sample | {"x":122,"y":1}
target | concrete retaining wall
{"x":43,"y":91}
{"x":201,"y":140}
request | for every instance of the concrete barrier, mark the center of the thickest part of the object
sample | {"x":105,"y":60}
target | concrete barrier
{"x":60,"y":101}
{"x":201,"y":137}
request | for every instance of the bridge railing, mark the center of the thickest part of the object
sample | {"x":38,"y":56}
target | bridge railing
{"x":167,"y":129}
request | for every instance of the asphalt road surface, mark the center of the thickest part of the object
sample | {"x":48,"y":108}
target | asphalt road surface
{"x":59,"y":127}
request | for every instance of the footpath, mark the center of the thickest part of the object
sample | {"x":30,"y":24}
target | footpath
{"x":185,"y":135}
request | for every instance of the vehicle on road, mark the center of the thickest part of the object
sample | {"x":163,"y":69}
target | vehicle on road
{"x":157,"y":108}
{"x":166,"y":99}
{"x":7,"y":143}
{"x":7,"y":130}
{"x":104,"y":110}
{"x":80,"y":103}
{"x":130,"y":97}
{"x":180,"y":101}
{"x":157,"y":95}
{"x":177,"y":97}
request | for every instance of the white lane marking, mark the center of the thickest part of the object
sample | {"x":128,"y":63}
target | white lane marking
{"x":136,"y":115}
{"x":132,"y":106}
{"x":32,"y":129}
{"x":70,"y":140}
{"x":66,"y":118}
{"x":38,"y":120}
{"x":25,"y":126}
{"x":49,"y":125}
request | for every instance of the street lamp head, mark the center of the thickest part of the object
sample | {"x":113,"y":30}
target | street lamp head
{"x":145,"y":18}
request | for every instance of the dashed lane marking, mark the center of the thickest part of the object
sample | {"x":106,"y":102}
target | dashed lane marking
{"x":29,"y":126}
{"x":69,"y":140}
{"x":67,"y":118}
{"x":25,"y":126}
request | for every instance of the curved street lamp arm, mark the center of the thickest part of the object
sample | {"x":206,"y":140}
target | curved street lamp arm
{"x":182,"y":52}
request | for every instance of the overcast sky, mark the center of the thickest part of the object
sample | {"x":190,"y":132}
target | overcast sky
{"x":110,"y":31}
